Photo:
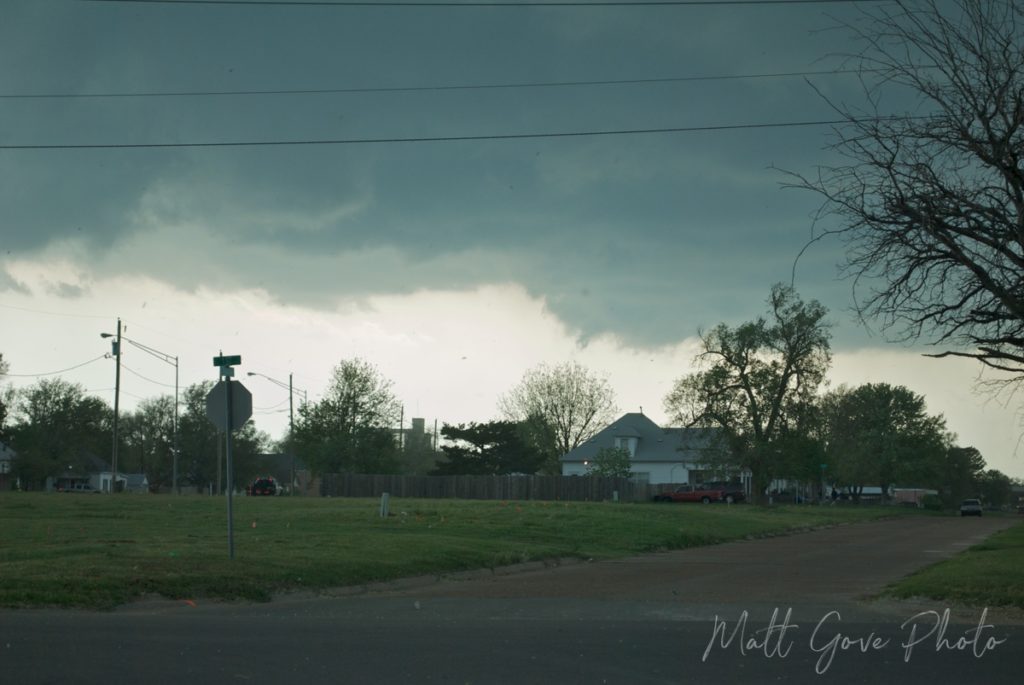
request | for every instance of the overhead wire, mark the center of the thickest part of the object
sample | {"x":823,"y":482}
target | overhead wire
{"x":429,"y":88}
{"x":428,"y":139}
{"x":498,"y":3}
{"x":145,"y":378}
{"x":65,"y":314}
{"x":53,"y":373}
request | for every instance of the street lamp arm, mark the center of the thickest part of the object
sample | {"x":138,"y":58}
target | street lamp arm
{"x":162,"y":356}
{"x":280,"y":384}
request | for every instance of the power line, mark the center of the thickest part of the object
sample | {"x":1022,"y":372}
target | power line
{"x":166,"y":385}
{"x":273,"y":406}
{"x":40,"y":311}
{"x":435,"y":88}
{"x":499,"y":3}
{"x":53,"y":373}
{"x":422,"y":139}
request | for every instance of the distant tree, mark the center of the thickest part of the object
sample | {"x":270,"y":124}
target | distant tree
{"x":57,"y":427}
{"x":995,"y":488}
{"x":491,"y":448}
{"x":539,"y":436}
{"x":930,"y":200}
{"x":202,"y":445}
{"x":350,"y":430}
{"x":756,"y":383}
{"x":149,"y":440}
{"x":612,"y":462}
{"x":962,"y":469}
{"x":567,"y":403}
{"x":882,"y":435}
{"x":4,"y":400}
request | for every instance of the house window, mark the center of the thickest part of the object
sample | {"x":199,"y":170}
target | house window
{"x":628,"y":444}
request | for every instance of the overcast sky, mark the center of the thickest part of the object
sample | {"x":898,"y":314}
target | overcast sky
{"x":453,"y":265}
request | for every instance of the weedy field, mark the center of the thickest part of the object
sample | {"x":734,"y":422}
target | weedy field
{"x":97,"y":551}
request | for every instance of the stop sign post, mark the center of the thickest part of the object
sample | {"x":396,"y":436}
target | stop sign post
{"x":229,"y":406}
{"x":241,"y":405}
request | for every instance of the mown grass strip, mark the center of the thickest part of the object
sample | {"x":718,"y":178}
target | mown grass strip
{"x":988,"y":574}
{"x":100,"y":551}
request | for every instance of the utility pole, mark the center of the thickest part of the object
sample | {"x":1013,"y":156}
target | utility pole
{"x":291,"y":434}
{"x":117,"y":398}
{"x":174,"y":471}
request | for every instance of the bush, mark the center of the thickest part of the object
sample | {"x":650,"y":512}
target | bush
{"x":932,"y":502}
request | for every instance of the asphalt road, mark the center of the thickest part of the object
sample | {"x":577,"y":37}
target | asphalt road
{"x":690,"y":616}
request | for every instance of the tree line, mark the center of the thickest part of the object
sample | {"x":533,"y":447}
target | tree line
{"x":761,"y":386}
{"x":56,"y":428}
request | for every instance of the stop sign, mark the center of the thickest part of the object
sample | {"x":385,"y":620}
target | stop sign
{"x":241,"y":405}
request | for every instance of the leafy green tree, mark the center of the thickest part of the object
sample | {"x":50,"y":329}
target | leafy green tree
{"x":612,"y":462}
{"x":57,"y":427}
{"x":962,"y":469}
{"x":149,"y":440}
{"x":351,"y":428}
{"x":491,"y":448}
{"x":540,"y":438}
{"x":202,"y":445}
{"x":564,"y":405}
{"x":4,"y":400}
{"x":881,"y":435}
{"x":995,"y":488}
{"x":756,"y":384}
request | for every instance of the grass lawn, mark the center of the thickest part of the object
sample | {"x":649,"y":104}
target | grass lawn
{"x":101,"y":551}
{"x":990,"y":574}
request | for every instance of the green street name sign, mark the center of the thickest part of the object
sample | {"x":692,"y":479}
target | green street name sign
{"x":232,"y":360}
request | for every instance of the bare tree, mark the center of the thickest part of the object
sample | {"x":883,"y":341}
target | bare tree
{"x":930,"y":203}
{"x":572,"y":402}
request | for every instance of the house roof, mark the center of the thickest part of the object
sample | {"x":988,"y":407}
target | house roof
{"x":653,"y":443}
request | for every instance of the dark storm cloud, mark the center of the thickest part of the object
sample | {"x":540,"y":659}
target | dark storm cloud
{"x":644,"y":236}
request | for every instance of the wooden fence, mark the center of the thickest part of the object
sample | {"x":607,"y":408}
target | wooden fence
{"x":568,"y":488}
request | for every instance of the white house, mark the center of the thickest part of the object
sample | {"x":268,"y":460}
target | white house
{"x":658,"y":455}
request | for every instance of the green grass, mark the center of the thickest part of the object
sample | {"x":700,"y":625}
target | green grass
{"x":988,"y":574}
{"x":101,"y":551}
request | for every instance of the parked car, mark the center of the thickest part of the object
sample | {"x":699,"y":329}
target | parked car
{"x":970,"y":507}
{"x":82,"y":488}
{"x":706,"y":493}
{"x":733,"y":490}
{"x":263,"y":486}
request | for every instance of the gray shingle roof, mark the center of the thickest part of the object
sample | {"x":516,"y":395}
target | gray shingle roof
{"x":654,"y":443}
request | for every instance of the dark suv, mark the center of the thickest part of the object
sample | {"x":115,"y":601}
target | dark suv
{"x":263,"y":486}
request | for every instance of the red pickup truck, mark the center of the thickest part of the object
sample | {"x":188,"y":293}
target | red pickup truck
{"x":707,"y":493}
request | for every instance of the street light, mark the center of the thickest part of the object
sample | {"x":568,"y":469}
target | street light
{"x":166,"y":358}
{"x":291,"y":417}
